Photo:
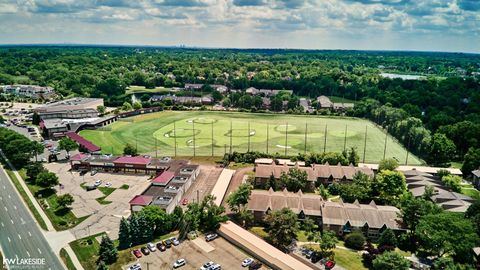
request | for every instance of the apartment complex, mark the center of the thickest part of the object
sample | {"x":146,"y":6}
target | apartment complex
{"x":73,"y":108}
{"x":30,"y":91}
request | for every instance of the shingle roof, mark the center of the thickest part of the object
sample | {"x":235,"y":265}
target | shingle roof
{"x":83,"y":142}
{"x":133,"y":160}
{"x":163,"y":178}
{"x":141,"y":200}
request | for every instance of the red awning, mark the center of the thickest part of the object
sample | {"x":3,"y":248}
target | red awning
{"x":89,"y":146}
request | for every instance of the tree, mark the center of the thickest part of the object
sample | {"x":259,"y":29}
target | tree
{"x":353,"y":157}
{"x":390,"y":185}
{"x":388,"y":164}
{"x":360,"y":189}
{"x":130,"y":150}
{"x":127,"y":106}
{"x":67,"y":144}
{"x":107,"y":252}
{"x":124,"y":234}
{"x":326,"y":240}
{"x":295,"y":180}
{"x":102,"y":266}
{"x":471,"y":161}
{"x":217,"y":96}
{"x":441,"y":150}
{"x":282,"y":227}
{"x":355,"y":240}
{"x":146,"y":230}
{"x":453,"y":182}
{"x":239,"y":198}
{"x":387,"y":238}
{"x":226,"y":102}
{"x":137,"y":105}
{"x":390,"y":260}
{"x":309,"y":226}
{"x":212,"y":214}
{"x":46,"y":179}
{"x":158,"y":219}
{"x":36,"y":119}
{"x":447,"y":233}
{"x":101,"y":109}
{"x":33,"y":169}
{"x":65,"y":200}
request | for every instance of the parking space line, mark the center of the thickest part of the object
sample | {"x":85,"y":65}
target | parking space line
{"x":19,"y":236}
{"x":9,"y":239}
{"x":39,"y":251}
{"x":11,"y":220}
{"x":29,"y":234}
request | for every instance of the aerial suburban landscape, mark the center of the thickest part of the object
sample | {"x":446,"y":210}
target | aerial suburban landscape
{"x":240,"y":134}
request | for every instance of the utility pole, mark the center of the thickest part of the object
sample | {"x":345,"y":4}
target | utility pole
{"x":193,"y":126}
{"x":345,"y":139}
{"x":156,"y":150}
{"x":248,"y":136}
{"x":175,"y":137}
{"x":365,"y":145}
{"x":286,"y":136}
{"x":385,"y":147}
{"x":305,"y":148}
{"x":325,"y":140}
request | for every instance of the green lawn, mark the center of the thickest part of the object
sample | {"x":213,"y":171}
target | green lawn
{"x":135,"y":89}
{"x":67,"y":260}
{"x":340,"y":99}
{"x":106,"y":191}
{"x":286,"y":133}
{"x":472,"y":192}
{"x":348,"y":259}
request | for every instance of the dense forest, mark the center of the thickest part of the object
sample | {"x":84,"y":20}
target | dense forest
{"x":438,"y":111}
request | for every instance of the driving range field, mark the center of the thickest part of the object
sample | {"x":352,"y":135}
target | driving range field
{"x":194,"y":132}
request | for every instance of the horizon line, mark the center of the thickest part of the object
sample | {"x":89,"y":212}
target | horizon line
{"x":183,"y":46}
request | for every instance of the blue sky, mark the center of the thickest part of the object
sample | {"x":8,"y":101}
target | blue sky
{"x":429,"y":25}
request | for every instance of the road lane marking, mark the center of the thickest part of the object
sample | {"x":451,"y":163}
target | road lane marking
{"x":9,"y":239}
{"x":2,"y":224}
{"x":29,"y":234}
{"x":39,"y":251}
{"x":28,"y":253}
{"x":9,"y":196}
{"x":6,"y":209}
{"x":11,"y":220}
{"x":15,"y":207}
{"x":19,"y":236}
{"x":4,"y":187}
{"x":23,"y":222}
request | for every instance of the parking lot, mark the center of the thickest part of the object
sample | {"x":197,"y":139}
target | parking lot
{"x":195,"y":253}
{"x":204,"y":184}
{"x":102,"y":217}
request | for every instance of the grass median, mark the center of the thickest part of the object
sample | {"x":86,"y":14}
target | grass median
{"x":67,"y":260}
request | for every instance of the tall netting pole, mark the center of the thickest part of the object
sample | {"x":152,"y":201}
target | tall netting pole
{"x":248,"y":136}
{"x":231,"y":131}
{"x":345,"y":139}
{"x":385,"y":145}
{"x":212,"y":139}
{"x":286,"y":138}
{"x":305,"y":146}
{"x":268,"y":127}
{"x":175,"y":138}
{"x":325,"y":139}
{"x":365,"y":145}
{"x":194,"y":146}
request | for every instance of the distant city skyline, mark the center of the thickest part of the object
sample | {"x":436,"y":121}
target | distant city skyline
{"x":411,"y":25}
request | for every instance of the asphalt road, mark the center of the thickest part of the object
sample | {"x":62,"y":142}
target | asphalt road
{"x":20,"y":237}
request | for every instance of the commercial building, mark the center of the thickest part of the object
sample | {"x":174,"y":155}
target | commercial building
{"x":30,"y":91}
{"x":57,"y":127}
{"x":265,"y":92}
{"x":324,"y":102}
{"x":73,"y":108}
{"x":167,"y":188}
{"x":370,"y":219}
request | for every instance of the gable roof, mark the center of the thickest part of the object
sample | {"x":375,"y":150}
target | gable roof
{"x":133,"y":160}
{"x":163,"y":178}
{"x":141,"y":200}
{"x":83,"y":142}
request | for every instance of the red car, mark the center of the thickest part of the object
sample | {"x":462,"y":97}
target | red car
{"x":329,"y":265}
{"x":185,"y":201}
{"x":137,"y":253}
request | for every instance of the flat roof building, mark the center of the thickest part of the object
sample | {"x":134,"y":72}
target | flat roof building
{"x":31,"y":91}
{"x":73,"y":105}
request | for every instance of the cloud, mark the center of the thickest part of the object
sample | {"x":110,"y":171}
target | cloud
{"x":250,"y":2}
{"x":184,"y":3}
{"x":470,"y":5}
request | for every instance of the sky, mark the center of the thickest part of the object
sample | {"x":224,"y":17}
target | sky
{"x":423,"y":25}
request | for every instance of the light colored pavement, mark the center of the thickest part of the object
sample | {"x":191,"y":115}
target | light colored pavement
{"x":204,"y":183}
{"x":20,"y":236}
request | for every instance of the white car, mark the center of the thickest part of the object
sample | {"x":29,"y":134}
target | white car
{"x":215,"y":267}
{"x":108,"y":184}
{"x":98,"y":183}
{"x":175,"y":241}
{"x":247,"y":262}
{"x":207,"y":266}
{"x":136,"y":266}
{"x":179,"y":263}
{"x":152,"y":247}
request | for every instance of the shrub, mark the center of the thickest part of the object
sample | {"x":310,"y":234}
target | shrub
{"x":355,"y":240}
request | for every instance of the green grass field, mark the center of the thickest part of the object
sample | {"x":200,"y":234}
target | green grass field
{"x":192,"y":132}
{"x":135,"y":89}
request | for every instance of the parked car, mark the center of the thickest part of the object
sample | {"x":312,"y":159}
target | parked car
{"x":329,"y":265}
{"x":167,"y":243}
{"x":136,"y":266}
{"x":185,"y":201}
{"x":207,"y":265}
{"x":108,"y":184}
{"x":255,"y":266}
{"x":211,"y":236}
{"x":90,"y":187}
{"x":175,"y":241}
{"x":98,"y":183}
{"x":215,"y":267}
{"x":83,"y":172}
{"x":161,"y":246}
{"x":309,"y":254}
{"x":137,"y":253}
{"x":145,"y":251}
{"x":179,"y":263}
{"x":316,"y":257}
{"x":247,"y":262}
{"x":93,"y":172}
{"x":151,"y":247}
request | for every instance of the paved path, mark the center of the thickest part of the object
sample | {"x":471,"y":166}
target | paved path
{"x":20,"y":236}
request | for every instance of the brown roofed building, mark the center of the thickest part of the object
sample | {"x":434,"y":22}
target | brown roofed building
{"x":370,"y":219}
